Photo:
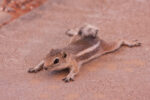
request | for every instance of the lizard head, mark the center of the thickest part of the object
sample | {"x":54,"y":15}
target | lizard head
{"x":55,"y":59}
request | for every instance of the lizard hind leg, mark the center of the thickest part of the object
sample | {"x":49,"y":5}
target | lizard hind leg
{"x":73,"y":33}
{"x":112,"y":47}
{"x":131,"y":44}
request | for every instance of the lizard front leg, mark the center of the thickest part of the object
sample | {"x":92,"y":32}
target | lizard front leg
{"x":36,"y":68}
{"x":74,"y":70}
{"x":71,"y":75}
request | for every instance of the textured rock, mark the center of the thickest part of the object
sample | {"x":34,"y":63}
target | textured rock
{"x":4,"y":17}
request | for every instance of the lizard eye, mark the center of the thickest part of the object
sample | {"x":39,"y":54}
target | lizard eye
{"x":56,"y":61}
{"x":80,"y":32}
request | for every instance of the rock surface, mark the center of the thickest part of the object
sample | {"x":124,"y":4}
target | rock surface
{"x":4,"y":18}
{"x":123,"y":75}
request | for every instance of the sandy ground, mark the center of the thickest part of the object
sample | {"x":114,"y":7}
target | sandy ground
{"x":123,"y":75}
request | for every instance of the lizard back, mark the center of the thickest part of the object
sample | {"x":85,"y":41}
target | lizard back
{"x":83,"y":48}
